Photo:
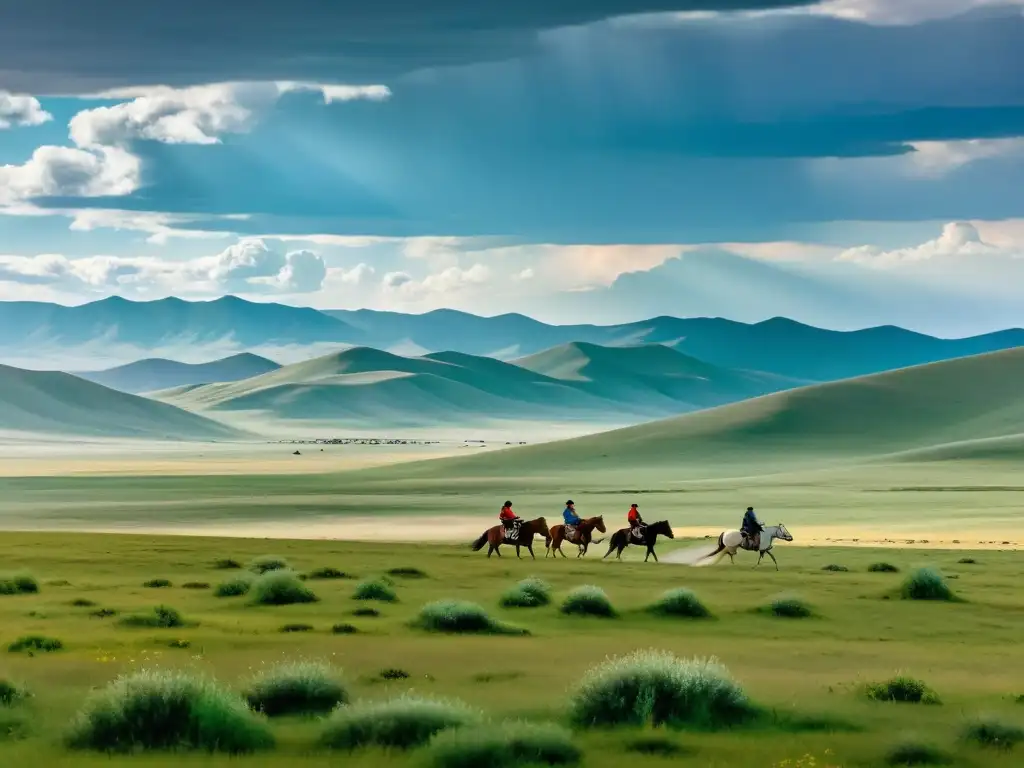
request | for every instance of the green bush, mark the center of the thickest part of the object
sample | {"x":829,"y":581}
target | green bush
{"x":35,"y":643}
{"x":18,"y":584}
{"x":227,"y":564}
{"x":926,"y":584}
{"x":81,"y":602}
{"x":344,"y":629}
{"x":401,"y":723}
{"x":916,"y":753}
{"x":657,"y":688}
{"x":157,"y":583}
{"x":835,"y":568}
{"x":163,"y":617}
{"x":588,"y":600}
{"x":375,"y":590}
{"x":407,"y":573}
{"x":297,"y":688}
{"x":267,"y":563}
{"x":528,"y":593}
{"x":458,"y":617}
{"x":297,"y":628}
{"x":658,"y":746}
{"x":167,"y":710}
{"x":10,"y":693}
{"x":789,"y":608}
{"x":902,"y":689}
{"x":103,"y":613}
{"x":280,"y":588}
{"x":990,"y":732}
{"x":328,"y":573}
{"x":503,"y":746}
{"x":236,"y":586}
{"x":967,"y":561}
{"x":679,"y":602}
{"x":195,"y":585}
{"x":883,"y":568}
{"x":366,"y":612}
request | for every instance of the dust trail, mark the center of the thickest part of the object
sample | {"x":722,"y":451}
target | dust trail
{"x":691,"y":555}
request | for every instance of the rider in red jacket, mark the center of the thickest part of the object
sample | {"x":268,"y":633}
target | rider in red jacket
{"x":507,"y":516}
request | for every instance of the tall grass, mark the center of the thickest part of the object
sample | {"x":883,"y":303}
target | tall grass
{"x":503,"y":746}
{"x":910,"y":752}
{"x":681,"y":603}
{"x":279,"y":587}
{"x":10,"y":693}
{"x":588,"y":600}
{"x":458,"y":617}
{"x":657,"y":688}
{"x":296,"y":688}
{"x":375,"y":589}
{"x":162,"y":617}
{"x":18,"y":584}
{"x":401,"y":723}
{"x":167,"y":710}
{"x":994,"y":733}
{"x":903,"y":689}
{"x":266,"y":563}
{"x":528,"y":593}
{"x":35,"y":644}
{"x":236,"y":586}
{"x":788,"y":607}
{"x":926,"y":584}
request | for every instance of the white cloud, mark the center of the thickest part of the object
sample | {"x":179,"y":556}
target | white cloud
{"x":162,"y":227}
{"x":332,"y":93}
{"x":358,"y":275}
{"x":70,"y":172}
{"x":19,"y":111}
{"x":395,"y":280}
{"x":526,"y":274}
{"x":901,"y":11}
{"x":959,"y":240}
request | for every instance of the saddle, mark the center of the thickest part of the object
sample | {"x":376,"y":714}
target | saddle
{"x":753,"y":541}
{"x":570,"y":534}
{"x":638,"y":532}
{"x":512,"y":531}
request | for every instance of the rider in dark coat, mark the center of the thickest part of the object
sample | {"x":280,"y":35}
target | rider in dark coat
{"x":751,"y":527}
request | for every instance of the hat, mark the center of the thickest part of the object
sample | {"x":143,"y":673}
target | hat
{"x":635,"y":506}
{"x":508,"y":503}
{"x":569,"y":503}
{"x":750,"y":509}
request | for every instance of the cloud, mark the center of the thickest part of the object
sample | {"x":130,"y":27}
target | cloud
{"x":444,"y":284}
{"x":904,"y":11}
{"x":395,"y":280}
{"x":253,"y":264}
{"x":358,"y":275}
{"x":937,"y":158}
{"x":71,"y":172}
{"x":18,"y":111}
{"x":959,"y":240}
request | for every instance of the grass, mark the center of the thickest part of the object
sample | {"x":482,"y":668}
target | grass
{"x":344,"y":629}
{"x":167,"y":710}
{"x":788,"y":608}
{"x":655,"y":688}
{"x":588,"y":600}
{"x":366,"y":612}
{"x":460,"y":617}
{"x":327,"y":573}
{"x":195,"y":585}
{"x":503,"y":746}
{"x":994,"y":733}
{"x":236,"y":586}
{"x":162,"y":617}
{"x":916,"y":753}
{"x":297,"y":688}
{"x":835,"y":568}
{"x":157,"y":583}
{"x":679,"y":603}
{"x":280,"y":587}
{"x":296,"y":628}
{"x":81,"y":602}
{"x":528,"y":593}
{"x":18,"y":584}
{"x":265,"y":563}
{"x":35,"y":644}
{"x":375,"y":589}
{"x":407,"y":573}
{"x":883,"y":568}
{"x":10,"y":693}
{"x":926,"y":584}
{"x":400,"y":723}
{"x":967,"y":561}
{"x":227,"y":564}
{"x":659,"y":746}
{"x":903,"y":689}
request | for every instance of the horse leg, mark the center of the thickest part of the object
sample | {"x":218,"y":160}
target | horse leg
{"x":518,"y":554}
{"x":732,"y":558}
{"x":530,"y":548}
{"x":490,"y":549}
{"x":760,"y":555}
{"x":769,"y":553}
{"x":650,"y":551}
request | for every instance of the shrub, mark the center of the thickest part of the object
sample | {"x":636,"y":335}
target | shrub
{"x":265,"y":563}
{"x":375,"y":590}
{"x":916,"y":753}
{"x":236,"y":586}
{"x":902,"y":689}
{"x":835,"y":568}
{"x":227,"y":564}
{"x":393,"y":674}
{"x":157,"y":583}
{"x":883,"y":568}
{"x":179,"y":644}
{"x":789,"y":608}
{"x":680,"y":602}
{"x":81,"y":602}
{"x":967,"y":561}
{"x":281,"y":588}
{"x":163,"y":617}
{"x":657,"y":688}
{"x":11,"y":693}
{"x":195,"y":585}
{"x":344,"y":629}
{"x":588,"y":600}
{"x":328,"y":573}
{"x":503,"y":746}
{"x":654,"y":745}
{"x":989,"y":732}
{"x":18,"y":584}
{"x":104,"y":613}
{"x":926,"y":584}
{"x":167,"y":710}
{"x":297,"y":688}
{"x":34,"y":643}
{"x":366,"y":612}
{"x":400,"y":723}
{"x":528,"y":593}
{"x":407,"y":573}
{"x":456,"y":617}
{"x":297,"y":628}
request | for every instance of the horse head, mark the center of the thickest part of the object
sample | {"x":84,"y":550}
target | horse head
{"x":783,"y":533}
{"x":664,"y":529}
{"x":599,"y":523}
{"x":542,"y":527}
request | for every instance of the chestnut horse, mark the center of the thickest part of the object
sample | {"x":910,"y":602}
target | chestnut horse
{"x":496,"y":537}
{"x":583,"y":534}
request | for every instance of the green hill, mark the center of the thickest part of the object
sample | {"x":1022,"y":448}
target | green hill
{"x":156,"y":373}
{"x":61,"y":404}
{"x":941,"y":409}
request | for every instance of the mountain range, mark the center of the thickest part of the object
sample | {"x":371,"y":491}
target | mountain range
{"x":152,"y":374}
{"x":34,"y":330}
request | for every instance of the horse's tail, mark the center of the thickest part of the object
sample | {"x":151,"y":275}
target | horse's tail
{"x":597,"y":541}
{"x":479,"y":543}
{"x":721,"y":546}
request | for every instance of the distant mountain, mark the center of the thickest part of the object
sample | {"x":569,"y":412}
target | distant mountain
{"x":363,"y":384}
{"x":155,"y":373}
{"x":778,"y":346}
{"x":61,"y":404}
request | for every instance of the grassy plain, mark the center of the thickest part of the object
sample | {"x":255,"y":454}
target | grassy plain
{"x":968,"y":652}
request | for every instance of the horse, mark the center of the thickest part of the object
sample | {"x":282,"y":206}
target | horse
{"x":623,"y":538}
{"x":583,"y":532}
{"x":730,"y":541}
{"x":496,"y":537}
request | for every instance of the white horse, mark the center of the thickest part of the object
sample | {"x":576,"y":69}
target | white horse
{"x":731,"y":541}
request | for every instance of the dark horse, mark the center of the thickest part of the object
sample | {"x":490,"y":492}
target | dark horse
{"x":496,"y":537}
{"x":583,"y":533}
{"x":622,"y":538}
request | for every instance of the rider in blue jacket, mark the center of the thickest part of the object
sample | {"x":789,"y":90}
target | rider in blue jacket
{"x":751,"y":527}
{"x":569,"y":515}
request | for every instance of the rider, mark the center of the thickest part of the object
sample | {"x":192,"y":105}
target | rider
{"x":508,"y":517}
{"x":636,"y":522}
{"x":751,"y":527}
{"x":571,"y":518}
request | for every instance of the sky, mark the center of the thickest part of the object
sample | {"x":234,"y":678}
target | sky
{"x":846,"y":163}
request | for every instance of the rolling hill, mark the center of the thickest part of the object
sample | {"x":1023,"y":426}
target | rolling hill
{"x":61,"y":404}
{"x":155,"y":373}
{"x":363,"y":384}
{"x":974,"y":403}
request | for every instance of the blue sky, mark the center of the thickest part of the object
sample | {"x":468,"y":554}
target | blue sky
{"x":847,"y":163}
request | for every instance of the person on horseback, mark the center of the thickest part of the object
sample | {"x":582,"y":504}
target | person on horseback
{"x":636,"y":523}
{"x":509,"y":520}
{"x":751,"y":528}
{"x":571,"y":520}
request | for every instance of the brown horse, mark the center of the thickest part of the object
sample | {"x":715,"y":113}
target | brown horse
{"x":624,"y":537}
{"x":583,"y":533}
{"x":496,"y":537}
